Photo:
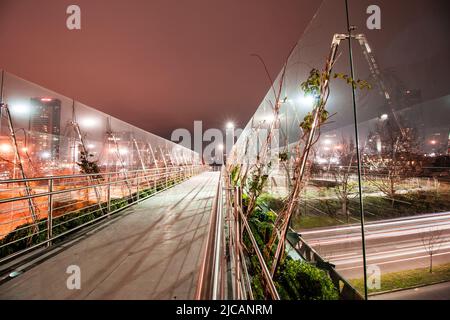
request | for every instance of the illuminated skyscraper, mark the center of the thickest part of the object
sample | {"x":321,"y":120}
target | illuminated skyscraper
{"x":45,"y":126}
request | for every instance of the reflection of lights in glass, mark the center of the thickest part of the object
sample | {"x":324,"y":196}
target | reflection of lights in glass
{"x":20,"y":109}
{"x":321,"y":160}
{"x":306,"y":100}
{"x":379,"y":145}
{"x":326,"y":149}
{"x":327,"y":141}
{"x":123,"y":150}
{"x":334,"y":160}
{"x":338,"y":147}
{"x":88,"y":122}
{"x":433,"y":142}
{"x":220,"y":147}
{"x":45,"y":155}
{"x":90,"y":146}
{"x":46,"y":99}
{"x":6,"y":148}
{"x":384,"y":117}
{"x":24,"y":149}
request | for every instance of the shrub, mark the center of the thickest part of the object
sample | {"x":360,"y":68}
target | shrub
{"x":303,"y":281}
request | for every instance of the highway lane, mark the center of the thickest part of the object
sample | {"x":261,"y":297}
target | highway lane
{"x":392,"y":245}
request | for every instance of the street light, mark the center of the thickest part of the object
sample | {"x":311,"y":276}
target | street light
{"x":230,"y":125}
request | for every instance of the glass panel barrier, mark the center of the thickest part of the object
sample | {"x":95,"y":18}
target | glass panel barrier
{"x":404,"y":124}
{"x":64,"y":165}
{"x":401,"y":130}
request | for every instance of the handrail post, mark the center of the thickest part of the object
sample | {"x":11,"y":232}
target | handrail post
{"x":50,"y":212}
{"x":166,"y":173}
{"x":137,"y":186}
{"x":108,"y":194}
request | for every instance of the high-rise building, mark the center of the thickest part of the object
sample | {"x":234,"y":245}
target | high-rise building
{"x":45,"y":126}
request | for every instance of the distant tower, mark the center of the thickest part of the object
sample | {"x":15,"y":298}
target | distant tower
{"x":45,"y":125}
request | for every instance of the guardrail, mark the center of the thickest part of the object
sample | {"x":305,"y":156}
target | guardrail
{"x":224,"y":271}
{"x":63,"y":204}
{"x":211,"y":282}
{"x":346,"y":290}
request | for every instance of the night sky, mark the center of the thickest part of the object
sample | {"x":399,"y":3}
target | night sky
{"x":158,"y":64}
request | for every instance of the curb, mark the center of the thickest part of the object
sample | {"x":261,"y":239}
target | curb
{"x":407,"y":288}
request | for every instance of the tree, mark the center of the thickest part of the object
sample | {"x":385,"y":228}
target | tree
{"x":392,"y":156}
{"x":432,"y":240}
{"x":316,"y":86}
{"x":344,"y":186}
{"x":259,"y":171}
{"x":88,"y":166}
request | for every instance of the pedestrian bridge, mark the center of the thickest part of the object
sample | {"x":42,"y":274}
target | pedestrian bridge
{"x":151,"y":250}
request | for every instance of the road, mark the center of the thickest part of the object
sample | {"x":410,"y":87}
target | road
{"x":392,"y":245}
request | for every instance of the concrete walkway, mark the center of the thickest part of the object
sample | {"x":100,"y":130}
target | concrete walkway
{"x":153,"y":252}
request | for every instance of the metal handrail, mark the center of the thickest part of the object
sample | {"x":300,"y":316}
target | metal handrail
{"x":83,"y":175}
{"x":172,"y":175}
{"x":347,"y":291}
{"x":237,"y":225}
{"x":43,"y":194}
{"x":208,"y":283}
{"x":266,"y":273}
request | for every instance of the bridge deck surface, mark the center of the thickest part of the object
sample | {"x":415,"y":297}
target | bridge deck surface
{"x":153,"y":251}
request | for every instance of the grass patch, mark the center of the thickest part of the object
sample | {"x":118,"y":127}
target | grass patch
{"x":407,"y":279}
{"x":314,"y":221}
{"x":325,"y":212}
